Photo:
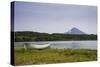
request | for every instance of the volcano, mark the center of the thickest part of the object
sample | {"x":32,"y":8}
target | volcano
{"x":75,"y":31}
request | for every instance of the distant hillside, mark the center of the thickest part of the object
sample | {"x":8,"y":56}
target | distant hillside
{"x":36,"y":36}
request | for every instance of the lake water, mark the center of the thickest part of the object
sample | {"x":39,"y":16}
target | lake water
{"x":64,"y":44}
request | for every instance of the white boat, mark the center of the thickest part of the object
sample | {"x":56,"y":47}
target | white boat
{"x":37,"y":46}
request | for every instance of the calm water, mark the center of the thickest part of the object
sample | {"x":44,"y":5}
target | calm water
{"x":64,"y":44}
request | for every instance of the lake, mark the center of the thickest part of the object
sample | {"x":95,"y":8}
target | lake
{"x":64,"y":44}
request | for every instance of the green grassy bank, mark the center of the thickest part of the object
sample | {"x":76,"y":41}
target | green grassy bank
{"x":50,"y":55}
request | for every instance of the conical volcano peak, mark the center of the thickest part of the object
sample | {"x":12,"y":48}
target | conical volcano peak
{"x":75,"y":30}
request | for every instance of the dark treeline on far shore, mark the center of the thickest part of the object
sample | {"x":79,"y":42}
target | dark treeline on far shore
{"x":36,"y":36}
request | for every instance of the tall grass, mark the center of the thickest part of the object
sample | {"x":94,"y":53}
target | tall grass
{"x":50,"y":55}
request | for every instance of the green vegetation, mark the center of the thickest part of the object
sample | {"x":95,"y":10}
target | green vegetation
{"x":36,"y":36}
{"x":50,"y":55}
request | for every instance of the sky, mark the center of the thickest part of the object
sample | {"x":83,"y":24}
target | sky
{"x":54,"y":18}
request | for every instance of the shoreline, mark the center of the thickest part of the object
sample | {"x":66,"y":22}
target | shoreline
{"x":50,"y":55}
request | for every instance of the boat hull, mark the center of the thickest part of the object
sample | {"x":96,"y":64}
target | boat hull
{"x":37,"y":46}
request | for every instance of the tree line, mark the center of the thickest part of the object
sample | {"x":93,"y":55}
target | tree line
{"x":36,"y":36}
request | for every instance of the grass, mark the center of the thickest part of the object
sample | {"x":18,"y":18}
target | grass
{"x":50,"y":55}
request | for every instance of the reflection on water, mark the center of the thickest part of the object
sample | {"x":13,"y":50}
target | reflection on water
{"x":65,"y":44}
